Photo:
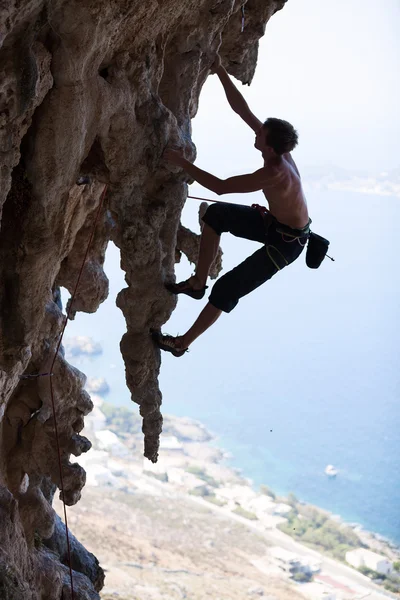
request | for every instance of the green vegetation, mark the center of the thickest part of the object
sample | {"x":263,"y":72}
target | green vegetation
{"x":390,"y":582}
{"x":371,"y":573}
{"x":392,"y":587}
{"x":245,"y":513}
{"x":201,"y":490}
{"x":396,"y":566}
{"x":292,"y":500}
{"x":314,"y":528}
{"x":264,"y":489}
{"x":121,"y":419}
{"x":214,"y":500}
{"x":202,"y":474}
{"x":160,"y":476}
{"x":302,"y":577}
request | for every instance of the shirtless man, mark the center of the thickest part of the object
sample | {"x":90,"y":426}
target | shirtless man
{"x":283,"y":229}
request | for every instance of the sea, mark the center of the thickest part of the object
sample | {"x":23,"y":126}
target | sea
{"x":303,"y":373}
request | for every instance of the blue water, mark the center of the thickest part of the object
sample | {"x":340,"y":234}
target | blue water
{"x":303,"y":373}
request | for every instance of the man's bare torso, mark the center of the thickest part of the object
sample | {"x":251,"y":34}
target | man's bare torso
{"x":285,"y":195}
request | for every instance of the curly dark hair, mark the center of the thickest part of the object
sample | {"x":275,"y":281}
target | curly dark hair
{"x":281,"y":135}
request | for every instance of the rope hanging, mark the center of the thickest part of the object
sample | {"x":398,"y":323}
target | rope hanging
{"x":50,"y":373}
{"x":209,"y":200}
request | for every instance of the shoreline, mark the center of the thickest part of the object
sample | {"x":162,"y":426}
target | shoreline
{"x":359,"y":528}
{"x":193,"y":470}
{"x":202,"y":445}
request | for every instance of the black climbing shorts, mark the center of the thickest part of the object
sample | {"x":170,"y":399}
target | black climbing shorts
{"x":281,"y":246}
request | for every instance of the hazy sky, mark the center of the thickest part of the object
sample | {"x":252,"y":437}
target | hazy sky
{"x":318,"y":346}
{"x":332,"y":69}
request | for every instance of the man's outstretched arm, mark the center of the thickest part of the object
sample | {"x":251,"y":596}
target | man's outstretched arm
{"x":235,"y":98}
{"x":240,"y":184}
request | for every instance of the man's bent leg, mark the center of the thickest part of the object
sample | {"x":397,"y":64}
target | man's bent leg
{"x":232,"y":286}
{"x":206,"y":318}
{"x":242,"y":221}
{"x":247,"y":276}
{"x":243,"y":279}
{"x":209,"y":245}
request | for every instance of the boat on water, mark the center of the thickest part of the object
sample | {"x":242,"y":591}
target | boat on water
{"x":331,"y":471}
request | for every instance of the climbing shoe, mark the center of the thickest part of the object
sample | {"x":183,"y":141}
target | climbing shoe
{"x":168,"y":343}
{"x":185,"y":288}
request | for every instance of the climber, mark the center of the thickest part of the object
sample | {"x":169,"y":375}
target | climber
{"x":283,"y":229}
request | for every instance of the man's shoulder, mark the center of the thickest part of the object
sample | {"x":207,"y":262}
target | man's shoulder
{"x":276,"y":171}
{"x":290,"y":164}
{"x":281,"y":175}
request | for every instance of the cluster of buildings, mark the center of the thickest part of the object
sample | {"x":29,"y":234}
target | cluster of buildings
{"x":110,"y":464}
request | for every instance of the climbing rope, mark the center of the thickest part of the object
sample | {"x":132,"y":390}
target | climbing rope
{"x":51,"y":382}
{"x":50,"y":373}
{"x":209,"y":200}
{"x":262,"y":208}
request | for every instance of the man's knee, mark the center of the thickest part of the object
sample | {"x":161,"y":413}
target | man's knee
{"x":223,"y":296}
{"x":215,"y":217}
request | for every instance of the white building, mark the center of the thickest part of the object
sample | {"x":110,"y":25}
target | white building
{"x":96,"y":420}
{"x":285,"y":560}
{"x":236,"y":494}
{"x":108,"y":441}
{"x":261,"y":504}
{"x":170,"y":442}
{"x":366,"y":558}
{"x":183,"y":479}
{"x":282,"y":509}
{"x":292,"y":563}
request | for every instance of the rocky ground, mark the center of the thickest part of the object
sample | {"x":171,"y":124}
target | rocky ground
{"x":158,"y":538}
{"x":170,"y":547}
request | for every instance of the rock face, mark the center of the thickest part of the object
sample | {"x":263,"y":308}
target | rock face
{"x":90,"y":91}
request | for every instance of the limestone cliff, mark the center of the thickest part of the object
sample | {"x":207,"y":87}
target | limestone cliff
{"x":91,"y":91}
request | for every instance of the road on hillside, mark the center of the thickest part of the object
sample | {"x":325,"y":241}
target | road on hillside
{"x":329,"y":566}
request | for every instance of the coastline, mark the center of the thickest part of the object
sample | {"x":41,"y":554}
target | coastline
{"x":187,"y":440}
{"x":371,"y":538}
{"x":192,"y":484}
{"x":358,"y":527}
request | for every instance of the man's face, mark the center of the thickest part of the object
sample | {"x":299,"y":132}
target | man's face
{"x":261,"y":139}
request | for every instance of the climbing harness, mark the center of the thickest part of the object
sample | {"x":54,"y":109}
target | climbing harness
{"x":317,"y":245}
{"x":50,"y":374}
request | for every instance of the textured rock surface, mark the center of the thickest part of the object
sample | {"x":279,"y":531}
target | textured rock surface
{"x":188,"y":243}
{"x":90,"y":88}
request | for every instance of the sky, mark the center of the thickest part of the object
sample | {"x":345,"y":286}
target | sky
{"x":311,"y":353}
{"x":309,"y":359}
{"x":330,"y":68}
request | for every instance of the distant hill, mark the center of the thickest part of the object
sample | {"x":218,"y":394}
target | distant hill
{"x":384,"y":183}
